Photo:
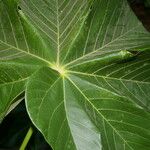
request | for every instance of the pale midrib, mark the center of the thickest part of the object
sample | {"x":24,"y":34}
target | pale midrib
{"x":99,"y":112}
{"x":106,"y":77}
{"x":121,"y":81}
{"x":121,"y":68}
{"x":13,"y":82}
{"x":43,"y":98}
{"x":65,"y":106}
{"x":75,"y":38}
{"x":92,"y":52}
{"x":18,"y":64}
{"x":58,"y":33}
{"x":33,"y":55}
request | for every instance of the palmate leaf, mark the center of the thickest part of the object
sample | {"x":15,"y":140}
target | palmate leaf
{"x":92,"y":88}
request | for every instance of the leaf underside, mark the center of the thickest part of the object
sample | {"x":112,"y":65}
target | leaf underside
{"x":84,"y":66}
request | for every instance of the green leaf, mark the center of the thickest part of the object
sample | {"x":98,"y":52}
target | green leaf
{"x":12,"y":84}
{"x":50,"y":112}
{"x":18,"y":54}
{"x":130,"y":78}
{"x":86,"y":69}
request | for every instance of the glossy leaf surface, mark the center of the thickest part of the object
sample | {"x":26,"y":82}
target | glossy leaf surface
{"x":85,"y":66}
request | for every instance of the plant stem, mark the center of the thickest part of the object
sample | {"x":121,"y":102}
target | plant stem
{"x":26,"y":139}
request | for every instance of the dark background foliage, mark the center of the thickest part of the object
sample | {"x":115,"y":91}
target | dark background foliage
{"x":15,"y":126}
{"x":142,"y":10}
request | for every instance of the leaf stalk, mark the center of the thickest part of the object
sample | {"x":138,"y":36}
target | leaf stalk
{"x":26,"y":139}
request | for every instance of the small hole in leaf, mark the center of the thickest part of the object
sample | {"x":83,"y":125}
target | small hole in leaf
{"x":19,"y":8}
